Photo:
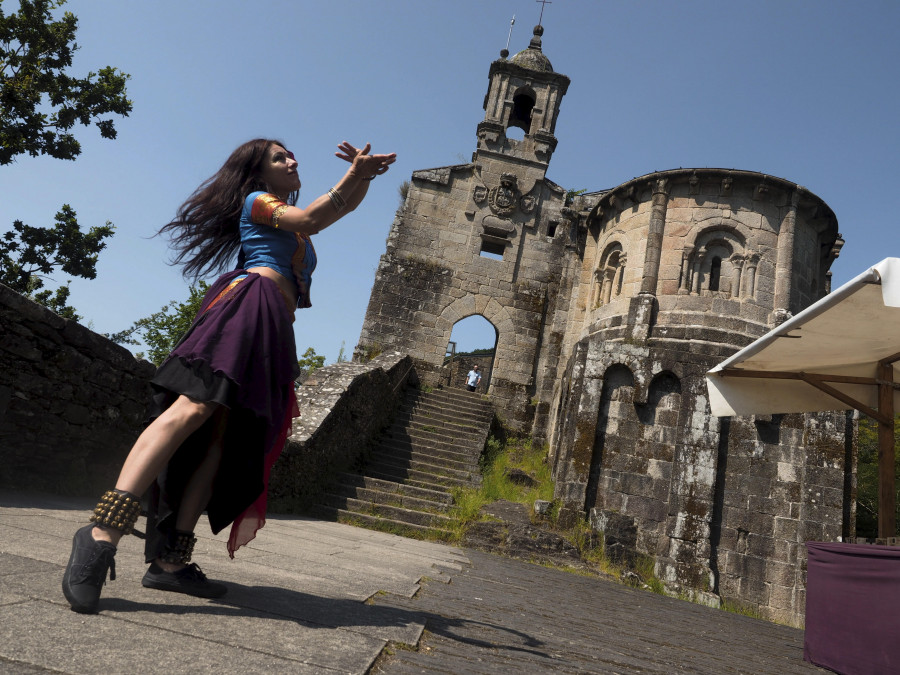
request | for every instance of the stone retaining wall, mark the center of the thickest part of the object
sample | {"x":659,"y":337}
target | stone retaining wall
{"x":342,"y":408}
{"x":71,"y":401}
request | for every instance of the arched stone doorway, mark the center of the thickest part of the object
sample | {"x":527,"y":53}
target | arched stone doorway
{"x":473,"y":341}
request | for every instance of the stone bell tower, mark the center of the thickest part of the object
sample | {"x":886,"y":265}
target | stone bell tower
{"x":493,"y":238}
{"x":524,"y":93}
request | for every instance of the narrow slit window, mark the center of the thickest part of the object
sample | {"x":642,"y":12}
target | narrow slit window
{"x":715,"y":273}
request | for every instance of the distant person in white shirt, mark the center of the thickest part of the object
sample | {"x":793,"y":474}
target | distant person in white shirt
{"x":473,"y":378}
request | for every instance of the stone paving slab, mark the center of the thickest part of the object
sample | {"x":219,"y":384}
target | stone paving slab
{"x":297,"y":600}
{"x":310,"y":596}
{"x":507,"y":616}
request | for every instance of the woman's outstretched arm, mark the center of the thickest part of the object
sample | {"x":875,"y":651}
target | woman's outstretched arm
{"x":343,"y":197}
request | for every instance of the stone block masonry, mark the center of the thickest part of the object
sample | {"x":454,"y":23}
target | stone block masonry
{"x":342,"y":408}
{"x":71,"y":402}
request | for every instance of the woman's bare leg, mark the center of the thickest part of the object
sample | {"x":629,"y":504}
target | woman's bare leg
{"x":199,"y":488}
{"x":155,"y":447}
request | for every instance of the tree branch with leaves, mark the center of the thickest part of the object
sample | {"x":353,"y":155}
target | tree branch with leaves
{"x":162,"y":330}
{"x":28,"y":255}
{"x":40,"y":101}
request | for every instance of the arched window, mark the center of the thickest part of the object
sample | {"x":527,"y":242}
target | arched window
{"x":708,"y":265}
{"x":609,"y":275}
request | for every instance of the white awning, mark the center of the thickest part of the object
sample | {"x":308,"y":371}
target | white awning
{"x":825,"y":358}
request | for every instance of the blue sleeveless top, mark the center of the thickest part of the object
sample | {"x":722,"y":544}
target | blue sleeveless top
{"x":263,"y":245}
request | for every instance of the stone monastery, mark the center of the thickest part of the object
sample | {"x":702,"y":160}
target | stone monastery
{"x":609,"y":309}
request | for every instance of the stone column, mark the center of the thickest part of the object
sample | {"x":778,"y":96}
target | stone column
{"x":655,"y":237}
{"x":620,"y":272}
{"x":750,"y":276}
{"x":696,"y":282}
{"x":608,"y":276}
{"x":685,"y":286}
{"x":597,"y":295}
{"x":784,"y":265}
{"x":737,"y":264}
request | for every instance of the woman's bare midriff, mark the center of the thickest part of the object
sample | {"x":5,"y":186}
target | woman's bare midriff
{"x":286,"y":286}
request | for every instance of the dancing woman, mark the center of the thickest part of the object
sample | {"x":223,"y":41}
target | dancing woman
{"x":223,"y":400}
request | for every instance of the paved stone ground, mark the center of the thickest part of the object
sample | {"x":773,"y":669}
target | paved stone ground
{"x":315,"y":597}
{"x":507,"y":616}
{"x":296,"y":602}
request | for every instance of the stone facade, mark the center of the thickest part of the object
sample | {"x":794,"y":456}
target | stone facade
{"x":486,"y":238}
{"x":609,"y":309}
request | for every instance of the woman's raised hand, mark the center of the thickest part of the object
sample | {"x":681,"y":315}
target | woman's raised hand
{"x":364,"y":164}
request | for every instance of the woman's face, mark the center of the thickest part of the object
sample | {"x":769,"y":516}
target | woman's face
{"x":279,"y":171}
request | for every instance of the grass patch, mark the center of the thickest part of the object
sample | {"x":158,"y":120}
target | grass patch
{"x":744,"y":609}
{"x":643,"y":567}
{"x":520,"y":453}
{"x":517,"y":453}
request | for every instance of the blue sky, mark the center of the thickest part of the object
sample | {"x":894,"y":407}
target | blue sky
{"x":806,"y":90}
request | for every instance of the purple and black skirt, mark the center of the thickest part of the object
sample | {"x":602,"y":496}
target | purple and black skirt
{"x":239,"y":353}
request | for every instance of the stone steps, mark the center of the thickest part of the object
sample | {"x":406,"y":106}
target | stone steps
{"x":400,"y":527}
{"x":392,"y":446}
{"x":375,"y":496}
{"x":432,"y":447}
{"x":390,"y":487}
{"x":417,"y":479}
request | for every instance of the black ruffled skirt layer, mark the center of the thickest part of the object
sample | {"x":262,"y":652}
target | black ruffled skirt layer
{"x":239,"y":353}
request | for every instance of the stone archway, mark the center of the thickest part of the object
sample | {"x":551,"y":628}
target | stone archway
{"x":473,"y":343}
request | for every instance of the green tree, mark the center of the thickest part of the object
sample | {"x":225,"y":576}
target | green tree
{"x":867,"y":476}
{"x":341,"y":357}
{"x":40,"y":101}
{"x":29,"y":254}
{"x":309,"y":362}
{"x":162,"y":330}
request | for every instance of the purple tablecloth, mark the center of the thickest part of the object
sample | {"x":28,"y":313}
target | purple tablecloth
{"x":853,"y":608}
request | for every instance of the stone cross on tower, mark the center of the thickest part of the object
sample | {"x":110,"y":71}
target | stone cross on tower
{"x":544,"y":3}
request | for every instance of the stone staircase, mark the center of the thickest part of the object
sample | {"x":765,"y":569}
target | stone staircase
{"x":432,"y":446}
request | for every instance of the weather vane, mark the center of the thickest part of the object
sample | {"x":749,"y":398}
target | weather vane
{"x":543,"y":4}
{"x":511,"y":24}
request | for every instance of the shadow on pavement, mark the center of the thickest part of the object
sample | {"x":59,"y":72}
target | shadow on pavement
{"x":314,"y":611}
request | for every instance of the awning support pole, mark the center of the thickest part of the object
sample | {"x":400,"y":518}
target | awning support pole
{"x":887,"y":513}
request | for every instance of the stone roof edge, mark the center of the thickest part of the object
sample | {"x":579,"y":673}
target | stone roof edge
{"x":709,"y":171}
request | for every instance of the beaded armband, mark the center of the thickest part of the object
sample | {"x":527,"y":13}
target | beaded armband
{"x":267,"y":209}
{"x":277,"y":212}
{"x":118,"y":510}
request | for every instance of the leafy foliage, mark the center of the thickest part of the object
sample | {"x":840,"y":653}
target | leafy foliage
{"x":162,"y":330}
{"x":867,"y":476}
{"x":39,"y":104}
{"x":39,"y":101}
{"x":571,"y":194}
{"x":309,"y":362}
{"x":30,"y":254}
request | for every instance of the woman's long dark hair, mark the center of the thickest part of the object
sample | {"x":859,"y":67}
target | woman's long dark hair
{"x":205,"y":234}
